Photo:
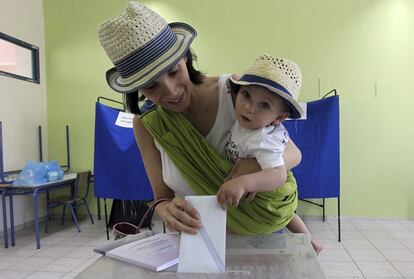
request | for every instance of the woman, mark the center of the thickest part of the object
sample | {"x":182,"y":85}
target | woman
{"x":193,"y":114}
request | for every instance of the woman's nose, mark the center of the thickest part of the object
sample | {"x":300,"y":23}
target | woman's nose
{"x":170,"y":88}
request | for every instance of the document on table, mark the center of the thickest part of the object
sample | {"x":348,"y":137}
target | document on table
{"x":156,"y":252}
{"x":205,"y":251}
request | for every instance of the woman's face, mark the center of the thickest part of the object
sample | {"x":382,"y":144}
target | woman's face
{"x":172,"y":90}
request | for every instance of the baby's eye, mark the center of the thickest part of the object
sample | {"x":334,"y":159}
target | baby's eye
{"x":264,"y":105}
{"x":245,"y":94}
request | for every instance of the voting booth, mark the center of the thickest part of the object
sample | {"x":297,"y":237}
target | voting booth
{"x":317,"y":137}
{"x":119,"y":172}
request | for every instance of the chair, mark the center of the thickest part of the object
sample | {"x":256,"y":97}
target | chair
{"x":80,"y":193}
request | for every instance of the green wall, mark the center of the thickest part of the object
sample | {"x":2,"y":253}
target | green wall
{"x":364,"y":49}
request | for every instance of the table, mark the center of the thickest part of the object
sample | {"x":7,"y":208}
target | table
{"x":279,"y":255}
{"x":68,"y":180}
{"x":4,"y":190}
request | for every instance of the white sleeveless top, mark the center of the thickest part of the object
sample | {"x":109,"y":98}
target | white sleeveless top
{"x":217,"y":137}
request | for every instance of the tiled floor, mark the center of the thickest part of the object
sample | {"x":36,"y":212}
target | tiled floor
{"x":369,"y":249}
{"x":64,"y":252}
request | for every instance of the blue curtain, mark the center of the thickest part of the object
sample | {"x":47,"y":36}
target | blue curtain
{"x":318,"y":175}
{"x":118,"y":168}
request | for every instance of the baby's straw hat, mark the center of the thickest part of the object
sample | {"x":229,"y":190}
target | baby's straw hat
{"x":279,"y":75}
{"x":142,"y":46}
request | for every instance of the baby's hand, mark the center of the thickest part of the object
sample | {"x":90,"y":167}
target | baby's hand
{"x":230,"y":193}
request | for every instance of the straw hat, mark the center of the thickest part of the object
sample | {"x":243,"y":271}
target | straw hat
{"x":142,"y":46}
{"x":279,"y":75}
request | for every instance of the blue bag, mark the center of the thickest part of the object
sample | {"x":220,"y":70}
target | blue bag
{"x":35,"y":173}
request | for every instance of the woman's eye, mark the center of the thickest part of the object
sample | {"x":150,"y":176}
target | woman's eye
{"x":174,"y":71}
{"x":150,"y":88}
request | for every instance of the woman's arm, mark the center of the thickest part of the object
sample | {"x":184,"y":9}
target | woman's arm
{"x":177,"y":213}
{"x":292,"y":155}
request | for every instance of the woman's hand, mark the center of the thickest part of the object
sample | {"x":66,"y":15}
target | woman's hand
{"x":179,"y":216}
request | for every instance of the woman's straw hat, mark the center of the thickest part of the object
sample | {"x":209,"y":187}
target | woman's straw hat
{"x":279,"y":75}
{"x":142,"y":47}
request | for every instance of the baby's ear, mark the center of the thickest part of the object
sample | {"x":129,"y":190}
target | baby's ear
{"x":280,"y":118}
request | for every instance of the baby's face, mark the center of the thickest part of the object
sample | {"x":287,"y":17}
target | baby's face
{"x":257,"y":107}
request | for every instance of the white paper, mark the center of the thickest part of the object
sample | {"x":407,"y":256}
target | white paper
{"x":156,"y":252}
{"x":195,"y":254}
{"x":124,"y":119}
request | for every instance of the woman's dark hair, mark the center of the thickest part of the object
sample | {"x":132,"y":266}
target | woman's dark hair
{"x":131,"y":99}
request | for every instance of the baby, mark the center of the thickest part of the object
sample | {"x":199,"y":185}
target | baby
{"x":266,"y":95}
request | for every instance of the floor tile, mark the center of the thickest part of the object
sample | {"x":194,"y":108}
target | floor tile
{"x":25,"y":251}
{"x":345,"y":226}
{"x":56,"y":251}
{"x":398,"y":255}
{"x":386,"y":244}
{"x":317,"y":226}
{"x":368,"y":254}
{"x":371,"y":234}
{"x":341,"y":269}
{"x":81,"y":252}
{"x":406,"y":268}
{"x":357,"y":243}
{"x":45,"y":275}
{"x":346,"y":235}
{"x":331,"y":243}
{"x":31,"y":264}
{"x":63,"y":264}
{"x":334,"y":255}
{"x":7,"y":261}
{"x":366,"y":225}
{"x":7,"y":274}
{"x":86,"y":263}
{"x":70,"y":275}
{"x":378,"y":269}
{"x":392,"y":225}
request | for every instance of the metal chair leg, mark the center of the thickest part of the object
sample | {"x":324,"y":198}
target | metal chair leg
{"x":89,"y":211}
{"x":74,"y":218}
{"x":63,"y":214}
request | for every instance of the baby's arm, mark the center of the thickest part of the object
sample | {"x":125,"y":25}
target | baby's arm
{"x":261,"y":181}
{"x":268,"y":150}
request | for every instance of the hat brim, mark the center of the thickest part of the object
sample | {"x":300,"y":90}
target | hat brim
{"x":295,"y":110}
{"x":146,"y":76}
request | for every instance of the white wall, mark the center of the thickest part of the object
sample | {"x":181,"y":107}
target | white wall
{"x":23,"y":104}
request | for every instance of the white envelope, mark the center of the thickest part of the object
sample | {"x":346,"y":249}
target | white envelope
{"x":205,"y":251}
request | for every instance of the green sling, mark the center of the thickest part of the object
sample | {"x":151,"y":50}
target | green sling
{"x":204,"y":168}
